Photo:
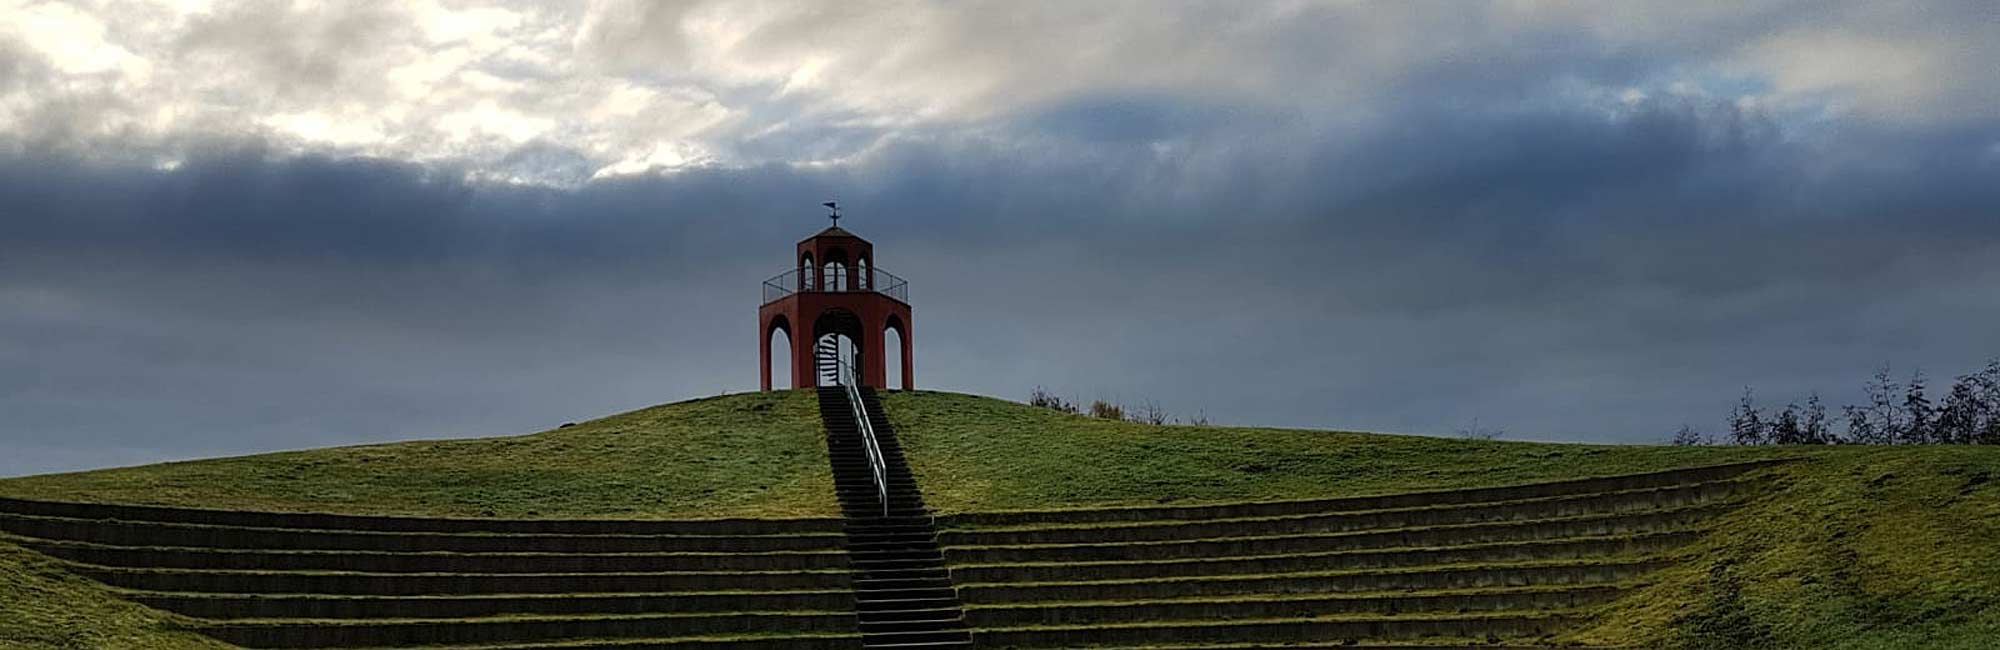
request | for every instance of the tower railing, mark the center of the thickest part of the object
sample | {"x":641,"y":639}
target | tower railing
{"x":845,"y":375}
{"x":853,"y":279}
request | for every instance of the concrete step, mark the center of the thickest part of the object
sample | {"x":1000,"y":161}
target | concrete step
{"x":323,"y":521}
{"x":270,"y":606}
{"x":124,"y":533}
{"x":307,"y":633}
{"x":416,"y":584}
{"x":1632,"y":523}
{"x":1283,"y":631}
{"x":1364,"y":503}
{"x":429,"y":562}
{"x":1599,"y":572}
{"x":1294,"y":606}
{"x":769,"y":641}
{"x":1052,"y":569}
{"x":1644,"y":499}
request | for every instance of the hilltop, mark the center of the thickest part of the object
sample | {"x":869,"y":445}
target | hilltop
{"x":1852,"y":547}
{"x":763,"y":455}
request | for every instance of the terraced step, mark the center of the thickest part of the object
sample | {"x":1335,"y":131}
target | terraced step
{"x":417,"y":584}
{"x":224,"y":606}
{"x":124,"y":533}
{"x":1332,"y":582}
{"x":768,"y":641}
{"x":1632,"y":523}
{"x":1350,"y":644}
{"x":167,"y":557}
{"x":1665,"y":478}
{"x":1643,"y":499}
{"x":1317,"y":630}
{"x":1267,"y":607}
{"x":1570,"y":548}
{"x":342,"y":633}
{"x":323,"y":521}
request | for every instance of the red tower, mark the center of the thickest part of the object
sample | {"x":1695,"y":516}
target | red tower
{"x":836,"y":297}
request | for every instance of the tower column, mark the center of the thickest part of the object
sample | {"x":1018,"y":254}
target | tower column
{"x":764,"y":354}
{"x":802,"y":358}
{"x":908,"y":353}
{"x":874,"y":366}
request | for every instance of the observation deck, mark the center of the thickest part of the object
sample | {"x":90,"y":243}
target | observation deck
{"x":837,"y":280}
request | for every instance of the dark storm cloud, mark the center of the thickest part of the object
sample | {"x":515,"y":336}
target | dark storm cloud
{"x":259,"y":229}
{"x":1564,"y":274}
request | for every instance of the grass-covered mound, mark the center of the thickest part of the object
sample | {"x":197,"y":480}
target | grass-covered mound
{"x":43,"y":607}
{"x":1858,"y":548}
{"x":1853,"y":548}
{"x":746,"y":455}
{"x":980,"y":454}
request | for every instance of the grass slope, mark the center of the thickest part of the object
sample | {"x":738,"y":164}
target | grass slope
{"x":979,"y":454}
{"x":1859,"y":548}
{"x":748,"y":455}
{"x":43,"y":607}
{"x":1895,"y":548}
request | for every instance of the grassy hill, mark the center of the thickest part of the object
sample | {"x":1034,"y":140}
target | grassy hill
{"x":975,"y":453}
{"x":747,"y":455}
{"x":43,"y":607}
{"x":1858,"y":548}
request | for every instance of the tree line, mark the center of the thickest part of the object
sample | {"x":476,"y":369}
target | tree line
{"x":1893,"y":413}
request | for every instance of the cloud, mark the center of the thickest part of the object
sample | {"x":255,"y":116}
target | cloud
{"x":267,"y":226}
{"x":630,"y":87}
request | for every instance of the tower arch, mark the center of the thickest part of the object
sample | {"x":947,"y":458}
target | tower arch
{"x":836,"y":288}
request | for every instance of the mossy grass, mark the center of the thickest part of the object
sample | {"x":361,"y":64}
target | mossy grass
{"x":44,"y":607}
{"x":1557,"y":613}
{"x":978,"y":454}
{"x":1311,"y":596}
{"x":1254,"y":535}
{"x":1084,"y":565}
{"x":1861,"y":548}
{"x":1850,"y":547}
{"x":745,"y":455}
{"x":1621,"y":559}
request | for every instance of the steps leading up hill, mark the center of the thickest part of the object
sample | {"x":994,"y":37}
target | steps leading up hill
{"x":1517,"y":563}
{"x":903,"y":594}
{"x":279,"y":580}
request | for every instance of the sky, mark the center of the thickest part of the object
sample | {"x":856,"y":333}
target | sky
{"x":229,"y":228}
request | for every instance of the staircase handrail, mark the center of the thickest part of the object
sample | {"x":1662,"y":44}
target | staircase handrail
{"x":876,"y":465}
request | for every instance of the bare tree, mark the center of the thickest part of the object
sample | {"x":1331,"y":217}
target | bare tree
{"x":1917,"y":416}
{"x":1687,"y":436}
{"x":1879,"y":422}
{"x":1150,"y":412}
{"x":1746,"y":423}
{"x":1815,"y":428}
{"x":1785,"y":429}
{"x":1047,"y":400}
{"x":1476,"y":432}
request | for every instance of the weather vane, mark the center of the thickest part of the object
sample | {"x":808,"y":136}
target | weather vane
{"x":835,"y":207}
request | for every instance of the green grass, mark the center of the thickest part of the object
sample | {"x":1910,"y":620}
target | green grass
{"x":43,"y":607}
{"x":1854,"y":548}
{"x":1859,"y":548}
{"x":747,"y":455}
{"x":976,"y":454}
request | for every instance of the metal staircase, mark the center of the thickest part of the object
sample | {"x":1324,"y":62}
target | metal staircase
{"x":903,"y":593}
